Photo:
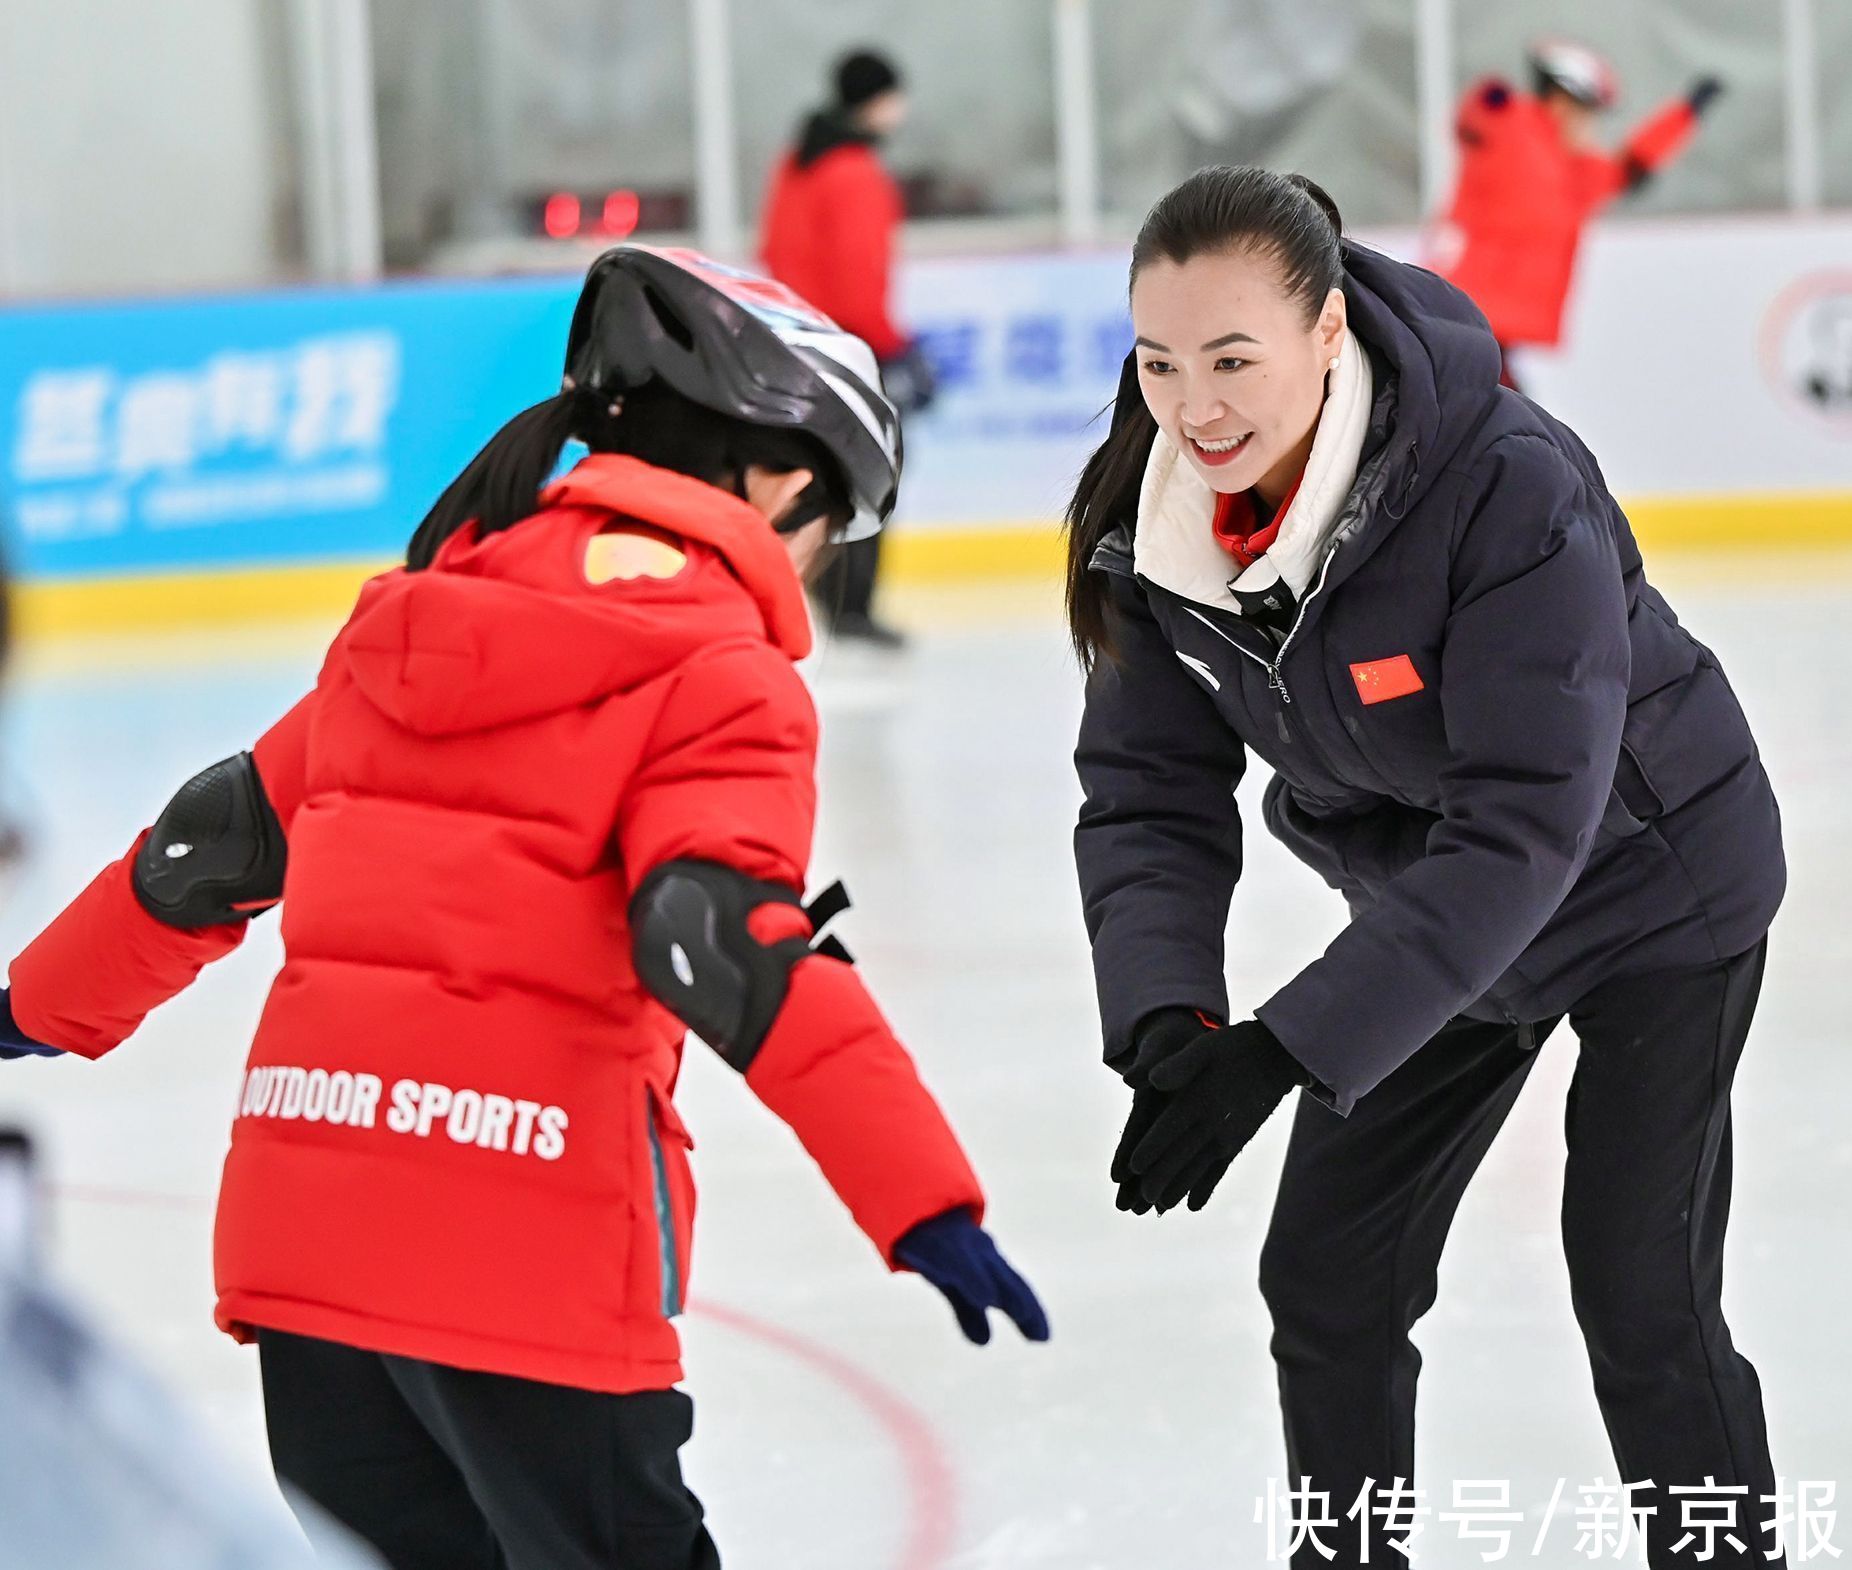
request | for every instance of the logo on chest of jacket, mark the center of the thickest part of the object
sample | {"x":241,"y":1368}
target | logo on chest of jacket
{"x":1201,"y":668}
{"x":1380,"y":680}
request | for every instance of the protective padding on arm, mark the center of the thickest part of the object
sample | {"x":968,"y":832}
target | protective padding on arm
{"x":700,"y":948}
{"x":831,"y":1068}
{"x":216,"y":853}
{"x":87,"y":980}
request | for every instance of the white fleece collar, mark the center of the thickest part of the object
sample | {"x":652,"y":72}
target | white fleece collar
{"x":1175,"y":544}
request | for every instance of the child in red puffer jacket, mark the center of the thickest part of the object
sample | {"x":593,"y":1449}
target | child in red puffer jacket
{"x":548,"y":807}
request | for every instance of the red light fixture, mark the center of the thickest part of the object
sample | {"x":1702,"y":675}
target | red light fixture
{"x":621,"y":210}
{"x":561,"y":215}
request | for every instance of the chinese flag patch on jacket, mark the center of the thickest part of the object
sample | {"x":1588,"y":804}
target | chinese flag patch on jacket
{"x":1380,"y":680}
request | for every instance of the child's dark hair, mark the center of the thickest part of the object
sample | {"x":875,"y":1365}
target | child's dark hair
{"x":1285,"y":218}
{"x":501,"y":485}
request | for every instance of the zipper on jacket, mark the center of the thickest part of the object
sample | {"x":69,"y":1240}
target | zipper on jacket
{"x":1276,"y":680}
{"x":1116,"y":561}
{"x":665,"y":1215}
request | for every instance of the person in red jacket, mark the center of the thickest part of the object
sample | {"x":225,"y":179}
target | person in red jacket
{"x":547,"y":808}
{"x":830,"y":218}
{"x":1532,"y":175}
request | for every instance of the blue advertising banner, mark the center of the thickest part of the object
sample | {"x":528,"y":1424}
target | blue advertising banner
{"x":182,"y":434}
{"x":320,"y":425}
{"x":1027,"y":351}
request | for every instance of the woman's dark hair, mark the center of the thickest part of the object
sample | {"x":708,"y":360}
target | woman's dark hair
{"x":501,"y":485}
{"x":1285,"y":218}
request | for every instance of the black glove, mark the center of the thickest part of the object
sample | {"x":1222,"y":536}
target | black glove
{"x":909,"y":381}
{"x":1217,"y":1092}
{"x":1159,"y":1036}
{"x":1702,"y":92}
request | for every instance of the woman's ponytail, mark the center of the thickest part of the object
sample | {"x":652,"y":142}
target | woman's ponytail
{"x":1323,"y":199}
{"x":1105,"y":496}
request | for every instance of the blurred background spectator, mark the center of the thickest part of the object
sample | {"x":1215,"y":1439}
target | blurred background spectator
{"x":829,"y":228}
{"x":1532,"y":174}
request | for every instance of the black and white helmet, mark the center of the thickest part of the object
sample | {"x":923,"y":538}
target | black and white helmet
{"x":741,"y":345}
{"x":1576,"y":70}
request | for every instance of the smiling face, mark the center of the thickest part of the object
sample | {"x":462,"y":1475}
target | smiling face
{"x":1231,"y":370}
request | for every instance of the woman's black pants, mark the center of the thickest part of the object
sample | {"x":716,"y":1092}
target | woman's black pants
{"x":1363,"y":1211}
{"x":442,"y":1469}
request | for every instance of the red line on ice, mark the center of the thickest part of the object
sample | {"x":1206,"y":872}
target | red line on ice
{"x":932,"y":1488}
{"x":91,"y":1194}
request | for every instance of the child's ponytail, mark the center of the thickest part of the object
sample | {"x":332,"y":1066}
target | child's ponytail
{"x":501,"y":485}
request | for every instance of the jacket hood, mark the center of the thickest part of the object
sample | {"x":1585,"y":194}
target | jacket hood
{"x":509,"y":628}
{"x":825,"y":131}
{"x":1441,"y":359}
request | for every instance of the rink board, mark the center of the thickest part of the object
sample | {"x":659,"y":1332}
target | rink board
{"x":255,"y":455}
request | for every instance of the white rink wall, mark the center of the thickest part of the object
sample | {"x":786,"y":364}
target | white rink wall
{"x":1690,"y":350}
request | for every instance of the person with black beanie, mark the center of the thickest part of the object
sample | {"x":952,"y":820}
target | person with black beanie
{"x":831,"y":214}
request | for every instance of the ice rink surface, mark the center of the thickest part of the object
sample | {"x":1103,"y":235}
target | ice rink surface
{"x":842,"y":1423}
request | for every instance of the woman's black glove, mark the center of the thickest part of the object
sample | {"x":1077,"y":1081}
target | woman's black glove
{"x":1158,"y":1037}
{"x":1216,"y":1092}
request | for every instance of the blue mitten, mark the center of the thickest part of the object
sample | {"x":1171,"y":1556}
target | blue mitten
{"x":957,"y":1256}
{"x":14,"y":1042}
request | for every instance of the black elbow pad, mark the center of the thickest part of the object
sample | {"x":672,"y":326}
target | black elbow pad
{"x":694,"y":950}
{"x":216,"y":853}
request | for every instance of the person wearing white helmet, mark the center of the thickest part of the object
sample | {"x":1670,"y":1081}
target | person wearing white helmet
{"x":1531,"y":176}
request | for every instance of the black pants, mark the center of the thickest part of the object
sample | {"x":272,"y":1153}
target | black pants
{"x":846,"y":587}
{"x":1363,"y":1211}
{"x":442,"y":1469}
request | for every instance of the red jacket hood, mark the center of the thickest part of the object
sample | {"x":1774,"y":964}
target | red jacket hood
{"x":508,"y":628}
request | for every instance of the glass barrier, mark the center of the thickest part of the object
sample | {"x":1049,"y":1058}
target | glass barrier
{"x":979,"y":141}
{"x":1325,"y":87}
{"x":1658,"y":49}
{"x":537,"y":119}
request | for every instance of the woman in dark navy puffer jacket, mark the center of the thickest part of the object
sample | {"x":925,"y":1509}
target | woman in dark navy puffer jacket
{"x":1320,"y":532}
